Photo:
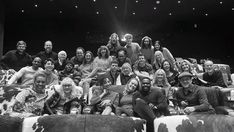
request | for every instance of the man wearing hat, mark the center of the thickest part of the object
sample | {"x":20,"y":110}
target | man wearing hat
{"x":191,"y":98}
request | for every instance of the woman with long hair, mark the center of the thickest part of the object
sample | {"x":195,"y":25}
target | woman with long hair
{"x":125,"y":107}
{"x":171,"y":74}
{"x":158,"y":59}
{"x":166,"y":53}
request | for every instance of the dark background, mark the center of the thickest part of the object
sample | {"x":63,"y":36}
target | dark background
{"x":187,"y":32}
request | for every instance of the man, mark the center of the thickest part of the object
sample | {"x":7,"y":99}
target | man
{"x":142,"y":68}
{"x":149,"y":103}
{"x":16,"y":59}
{"x":26,"y":74}
{"x":113,"y":73}
{"x":122,"y":56}
{"x":211,"y":76}
{"x":48,"y":53}
{"x":79,"y":58}
{"x":133,"y":49}
{"x":191,"y":98}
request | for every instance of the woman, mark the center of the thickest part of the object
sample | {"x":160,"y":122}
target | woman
{"x":67,"y":99}
{"x":26,"y":74}
{"x":185,"y":66}
{"x":166,"y":53}
{"x":30,"y":101}
{"x":60,"y":64}
{"x":160,"y":81}
{"x":125,"y":107}
{"x":51,"y":77}
{"x":104,"y":100}
{"x":103,"y":61}
{"x":147,"y":49}
{"x":87,"y":67}
{"x":158,"y":59}
{"x":125,"y":75}
{"x":171,"y":74}
{"x":113,"y":44}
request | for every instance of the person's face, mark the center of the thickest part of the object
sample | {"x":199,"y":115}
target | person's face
{"x":77,"y":80}
{"x":49,"y":66}
{"x":158,"y":56}
{"x":114,"y":67}
{"x":48,"y":46}
{"x":107,"y":83}
{"x":209,"y":66}
{"x":126,"y":70}
{"x":157,"y":45}
{"x":67,"y":88}
{"x":159,"y":76}
{"x":103,"y":52}
{"x":79,"y":53}
{"x":69,"y":67}
{"x":128,"y":39}
{"x":185,"y":66}
{"x":21,"y":48}
{"x":146,"y":41}
{"x":88,"y":57}
{"x":36,"y":62}
{"x":62,"y":56}
{"x":132,"y":86}
{"x":114,"y":38}
{"x":186,"y":81}
{"x":121,"y":56}
{"x":166,"y":66}
{"x":39,"y":84}
{"x":142,"y":59}
{"x":145,"y":85}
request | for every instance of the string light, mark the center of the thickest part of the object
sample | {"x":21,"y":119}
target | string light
{"x":134,"y":13}
{"x":116,"y":7}
{"x":155,"y":8}
{"x":76,"y":6}
{"x":36,"y":5}
{"x":22,"y":11}
{"x":220,"y":2}
{"x":232,"y":9}
{"x":97,"y":12}
{"x":178,"y":1}
{"x":206,"y":14}
{"x":157,"y":2}
{"x":137,"y":1}
{"x":60,"y":12}
{"x":193,"y":8}
{"x":170,"y":14}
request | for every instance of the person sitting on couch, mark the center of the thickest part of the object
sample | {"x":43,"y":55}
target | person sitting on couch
{"x":66,"y":99}
{"x":191,"y":98}
{"x":104,"y":100}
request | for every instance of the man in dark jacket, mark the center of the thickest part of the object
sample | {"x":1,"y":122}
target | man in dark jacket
{"x":48,"y":53}
{"x":16,"y":59}
{"x":149,"y":103}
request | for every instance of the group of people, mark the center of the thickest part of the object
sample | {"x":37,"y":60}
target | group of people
{"x":150,"y":76}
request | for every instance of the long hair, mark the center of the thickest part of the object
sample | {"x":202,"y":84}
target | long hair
{"x":138,"y":83}
{"x":164,"y":80}
{"x":68,"y":80}
{"x":188,"y":63}
{"x":99,"y":52}
{"x":117,"y":40}
{"x":156,"y":62}
{"x":92,"y":57}
{"x":171,"y":69}
{"x":160,"y":44}
{"x":143,"y":44}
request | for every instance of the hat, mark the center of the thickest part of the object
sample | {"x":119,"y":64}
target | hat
{"x":185,"y":74}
